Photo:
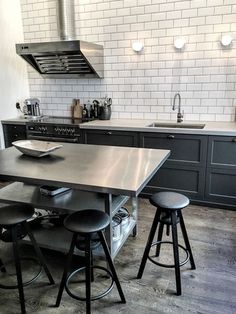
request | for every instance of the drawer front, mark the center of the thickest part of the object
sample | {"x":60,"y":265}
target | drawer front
{"x":13,"y":133}
{"x":185,"y":149}
{"x":19,"y":129}
{"x":221,"y":186}
{"x":112,"y":138}
{"x":186,"y":180}
{"x":222,"y":152}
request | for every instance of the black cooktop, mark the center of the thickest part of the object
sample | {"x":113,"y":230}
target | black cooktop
{"x":58,"y":120}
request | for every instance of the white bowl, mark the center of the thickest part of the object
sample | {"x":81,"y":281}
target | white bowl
{"x":36,"y":148}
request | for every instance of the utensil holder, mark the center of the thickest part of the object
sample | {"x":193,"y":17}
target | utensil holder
{"x":105,"y":113}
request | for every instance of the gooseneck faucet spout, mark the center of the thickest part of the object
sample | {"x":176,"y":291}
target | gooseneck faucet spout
{"x":179,"y":114}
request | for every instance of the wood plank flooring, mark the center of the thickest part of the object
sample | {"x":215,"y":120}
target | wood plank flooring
{"x":211,"y":288}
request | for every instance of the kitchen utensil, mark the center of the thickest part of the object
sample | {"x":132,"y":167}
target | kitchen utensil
{"x":105,"y":112}
{"x":96,"y":108}
{"x":76,"y":109}
{"x":32,"y":107}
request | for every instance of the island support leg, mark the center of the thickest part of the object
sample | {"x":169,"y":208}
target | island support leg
{"x":108,"y":230}
{"x":135,"y":215}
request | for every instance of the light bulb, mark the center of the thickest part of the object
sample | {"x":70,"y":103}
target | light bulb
{"x":179,"y":43}
{"x":226,"y":40}
{"x":137,"y":46}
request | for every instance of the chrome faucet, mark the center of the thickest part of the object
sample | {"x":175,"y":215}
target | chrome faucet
{"x":179,"y":114}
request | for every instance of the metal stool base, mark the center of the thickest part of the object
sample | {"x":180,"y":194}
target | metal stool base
{"x":169,"y":265}
{"x":24,"y":283}
{"x":93,"y":298}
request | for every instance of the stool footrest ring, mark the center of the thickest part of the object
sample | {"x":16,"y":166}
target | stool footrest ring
{"x":93,"y":298}
{"x":169,"y":265}
{"x":24,"y":283}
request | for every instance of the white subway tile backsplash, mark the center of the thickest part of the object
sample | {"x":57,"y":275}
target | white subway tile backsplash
{"x":142,"y":85}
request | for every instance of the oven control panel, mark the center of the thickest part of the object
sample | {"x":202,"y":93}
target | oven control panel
{"x":62,"y":130}
{"x":52,"y":132}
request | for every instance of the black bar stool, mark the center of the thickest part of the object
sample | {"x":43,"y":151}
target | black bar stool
{"x":14,"y":218}
{"x":86,"y":223}
{"x":168,"y":212}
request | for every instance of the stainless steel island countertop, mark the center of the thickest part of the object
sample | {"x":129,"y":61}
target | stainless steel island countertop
{"x":106,"y":169}
{"x":106,"y":175}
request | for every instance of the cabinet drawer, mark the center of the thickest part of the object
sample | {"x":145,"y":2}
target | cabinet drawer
{"x":113,"y":138}
{"x":186,"y":180}
{"x":222,"y":152}
{"x":185,"y":149}
{"x":13,"y":133}
{"x":221,"y":186}
{"x":19,"y":129}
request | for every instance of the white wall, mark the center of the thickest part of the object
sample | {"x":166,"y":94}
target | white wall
{"x":13,"y":72}
{"x":143,"y":85}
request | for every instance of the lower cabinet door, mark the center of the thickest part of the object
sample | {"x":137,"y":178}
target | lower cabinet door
{"x":221,"y":186}
{"x":187,"y":180}
{"x":112,"y":138}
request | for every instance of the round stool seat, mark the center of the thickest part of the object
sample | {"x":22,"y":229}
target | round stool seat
{"x":169,"y":200}
{"x":14,"y":214}
{"x":87,"y":221}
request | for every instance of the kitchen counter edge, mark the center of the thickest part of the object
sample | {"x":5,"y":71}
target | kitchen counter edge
{"x":211,"y":128}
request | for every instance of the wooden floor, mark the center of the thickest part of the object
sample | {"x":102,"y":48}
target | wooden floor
{"x":211,"y":288}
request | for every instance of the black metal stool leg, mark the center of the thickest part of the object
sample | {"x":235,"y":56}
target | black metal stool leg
{"x":159,"y":238}
{"x":66,"y":269}
{"x":149,"y":243}
{"x":111,"y":265}
{"x":91,"y":266}
{"x":88,"y":273}
{"x":18,"y":269}
{"x":168,"y":230}
{"x":176,"y":252}
{"x":39,"y":253}
{"x":3,"y":269}
{"x":186,"y":240}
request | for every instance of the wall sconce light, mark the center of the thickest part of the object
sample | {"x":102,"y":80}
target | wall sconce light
{"x":137,"y":46}
{"x":226,"y":40}
{"x":179,"y":43}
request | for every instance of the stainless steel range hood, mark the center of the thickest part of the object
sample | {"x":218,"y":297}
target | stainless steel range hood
{"x":68,"y":58}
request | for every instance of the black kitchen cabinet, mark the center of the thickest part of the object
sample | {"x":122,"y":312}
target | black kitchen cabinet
{"x":184,"y":170}
{"x":185,"y":149}
{"x":113,"y":138}
{"x":222,"y":152}
{"x":13,"y":132}
{"x":221,"y":170}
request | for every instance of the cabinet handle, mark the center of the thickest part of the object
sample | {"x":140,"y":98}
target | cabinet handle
{"x":108,"y":133}
{"x":234,"y":140}
{"x":170,"y":136}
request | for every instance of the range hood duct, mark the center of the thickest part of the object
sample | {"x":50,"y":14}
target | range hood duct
{"x":67,"y":58}
{"x":66,"y":21}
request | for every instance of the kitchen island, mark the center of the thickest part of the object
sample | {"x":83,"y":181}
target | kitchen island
{"x":110,"y":174}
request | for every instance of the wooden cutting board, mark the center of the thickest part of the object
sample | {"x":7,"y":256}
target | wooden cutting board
{"x":76,"y":109}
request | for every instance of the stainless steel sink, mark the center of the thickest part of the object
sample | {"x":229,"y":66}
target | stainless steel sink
{"x":176,"y":125}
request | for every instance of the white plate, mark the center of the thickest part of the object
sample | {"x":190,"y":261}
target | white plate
{"x":36,"y":148}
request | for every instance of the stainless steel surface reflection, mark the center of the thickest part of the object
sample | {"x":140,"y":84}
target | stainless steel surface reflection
{"x":108,"y":169}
